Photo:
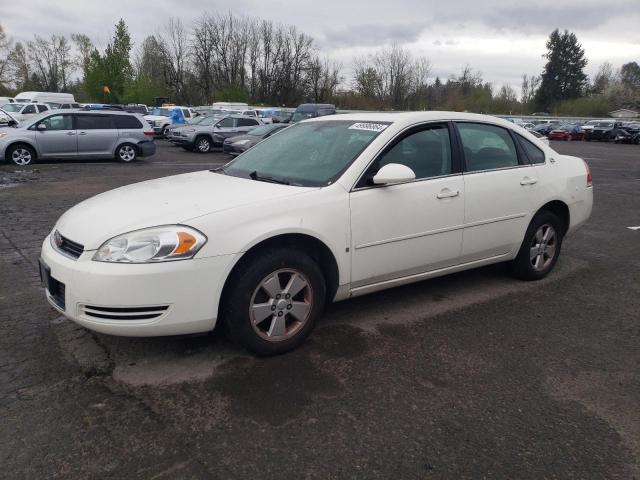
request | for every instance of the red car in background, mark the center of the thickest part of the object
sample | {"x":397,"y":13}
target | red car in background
{"x":566,"y":132}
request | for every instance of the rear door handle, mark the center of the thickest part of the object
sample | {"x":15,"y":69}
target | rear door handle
{"x":528,"y":181}
{"x":446,"y":193}
{"x":82,"y":133}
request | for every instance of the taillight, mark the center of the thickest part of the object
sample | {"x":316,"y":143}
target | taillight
{"x":148,"y":133}
{"x":589,"y":176}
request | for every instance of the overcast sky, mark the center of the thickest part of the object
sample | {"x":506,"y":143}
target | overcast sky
{"x":501,"y":39}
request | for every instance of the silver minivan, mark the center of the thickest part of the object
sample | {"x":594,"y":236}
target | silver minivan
{"x":78,"y":134}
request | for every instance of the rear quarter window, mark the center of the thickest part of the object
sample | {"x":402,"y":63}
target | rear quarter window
{"x":534,"y":153}
{"x":126,"y":121}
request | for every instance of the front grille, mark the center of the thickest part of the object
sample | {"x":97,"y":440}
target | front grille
{"x":124,"y":313}
{"x":68,"y":247}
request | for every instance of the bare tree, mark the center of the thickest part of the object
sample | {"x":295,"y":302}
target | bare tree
{"x":174,"y":47}
{"x":6,"y":45}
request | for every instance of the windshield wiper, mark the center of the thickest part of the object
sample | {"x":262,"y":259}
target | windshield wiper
{"x":219,"y":170}
{"x":254,"y":176}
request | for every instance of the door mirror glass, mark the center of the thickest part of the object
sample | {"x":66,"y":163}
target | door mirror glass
{"x":393,"y":173}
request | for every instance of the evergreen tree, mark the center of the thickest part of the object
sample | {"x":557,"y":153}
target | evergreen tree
{"x":563,"y":77}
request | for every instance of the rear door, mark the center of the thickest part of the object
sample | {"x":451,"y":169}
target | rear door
{"x":501,"y":191}
{"x":97,"y":134}
{"x":58,"y":138}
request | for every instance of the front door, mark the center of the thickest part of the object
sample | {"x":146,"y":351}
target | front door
{"x":414,"y":227}
{"x":58,"y":138}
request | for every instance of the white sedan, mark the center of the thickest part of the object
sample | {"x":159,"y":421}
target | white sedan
{"x":325,"y":210}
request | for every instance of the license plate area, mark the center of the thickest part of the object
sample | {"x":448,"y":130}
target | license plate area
{"x":55,"y":288}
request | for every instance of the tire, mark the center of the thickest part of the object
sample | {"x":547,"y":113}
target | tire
{"x":163,"y":132}
{"x":526,"y":266}
{"x":21,"y":155}
{"x":252,"y":294}
{"x":202,"y":144}
{"x":126,"y":153}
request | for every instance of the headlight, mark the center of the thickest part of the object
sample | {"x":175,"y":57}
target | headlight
{"x":158,"y":244}
{"x":3,"y":134}
{"x":241,"y":142}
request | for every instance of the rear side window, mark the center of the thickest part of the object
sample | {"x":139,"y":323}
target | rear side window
{"x":42,"y":108}
{"x":94,"y":122}
{"x":247,"y":122}
{"x":126,"y":121}
{"x":186,"y":113}
{"x":29,"y":109}
{"x":534,"y":153}
{"x":487,"y":147}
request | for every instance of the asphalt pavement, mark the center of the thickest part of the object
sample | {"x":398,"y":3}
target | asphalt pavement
{"x":476,"y":375}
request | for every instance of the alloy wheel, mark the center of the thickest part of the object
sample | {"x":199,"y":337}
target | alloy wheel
{"x":281,"y":305}
{"x":127,"y":153}
{"x":204,"y":145}
{"x":543,"y":247}
{"x":21,"y":156}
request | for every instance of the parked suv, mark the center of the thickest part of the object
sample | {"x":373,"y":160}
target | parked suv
{"x":202,"y":138}
{"x":24,"y":111}
{"x":78,"y":134}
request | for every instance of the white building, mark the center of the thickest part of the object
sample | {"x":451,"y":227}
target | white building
{"x":624,"y":113}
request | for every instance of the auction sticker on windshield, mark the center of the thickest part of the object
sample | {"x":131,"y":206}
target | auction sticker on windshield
{"x":371,"y":127}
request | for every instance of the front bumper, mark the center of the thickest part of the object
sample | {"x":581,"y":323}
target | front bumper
{"x":170,"y":298}
{"x":232,"y":149}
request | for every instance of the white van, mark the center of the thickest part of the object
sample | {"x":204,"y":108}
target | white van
{"x":52,"y":98}
{"x":230,"y":106}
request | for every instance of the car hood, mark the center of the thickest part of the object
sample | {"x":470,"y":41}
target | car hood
{"x":164,"y":201}
{"x":155,"y":117}
{"x":239,"y":138}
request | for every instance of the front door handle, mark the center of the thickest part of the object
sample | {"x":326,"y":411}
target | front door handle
{"x":446,"y":193}
{"x":528,"y":181}
{"x":71,"y":133}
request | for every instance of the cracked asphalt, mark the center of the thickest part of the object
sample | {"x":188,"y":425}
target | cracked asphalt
{"x":475,"y":375}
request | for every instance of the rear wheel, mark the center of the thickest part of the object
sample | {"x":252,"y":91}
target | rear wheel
{"x":126,"y":153}
{"x":271,"y":305}
{"x":540,"y":248}
{"x":21,"y":155}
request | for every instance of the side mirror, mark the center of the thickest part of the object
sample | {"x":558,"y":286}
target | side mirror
{"x":393,"y":173}
{"x":12,"y":123}
{"x":41,"y":126}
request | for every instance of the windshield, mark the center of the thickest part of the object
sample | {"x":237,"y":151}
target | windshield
{"x":599,"y":124}
{"x":307,"y":154}
{"x":162,"y":112}
{"x":263,"y":130}
{"x":12,"y":107}
{"x":208,"y":120}
{"x":299,"y":116}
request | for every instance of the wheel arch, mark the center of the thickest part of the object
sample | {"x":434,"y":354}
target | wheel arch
{"x":318,"y":250}
{"x":21,"y":142}
{"x":561,"y":210}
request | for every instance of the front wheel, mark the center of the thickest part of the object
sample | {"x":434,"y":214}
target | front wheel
{"x":126,"y":153}
{"x":271,"y":306}
{"x":540,"y":248}
{"x":21,"y":155}
{"x":202,"y":145}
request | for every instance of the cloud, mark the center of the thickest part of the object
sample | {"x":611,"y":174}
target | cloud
{"x":372,"y":34}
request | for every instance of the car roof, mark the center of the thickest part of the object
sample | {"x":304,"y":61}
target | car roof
{"x":409,"y":118}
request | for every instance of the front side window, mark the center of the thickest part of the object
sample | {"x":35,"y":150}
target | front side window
{"x":307,"y":154}
{"x":487,"y":147}
{"x":186,"y":113}
{"x":226,"y":123}
{"x":426,"y":152}
{"x":58,"y":122}
{"x":94,"y":122}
